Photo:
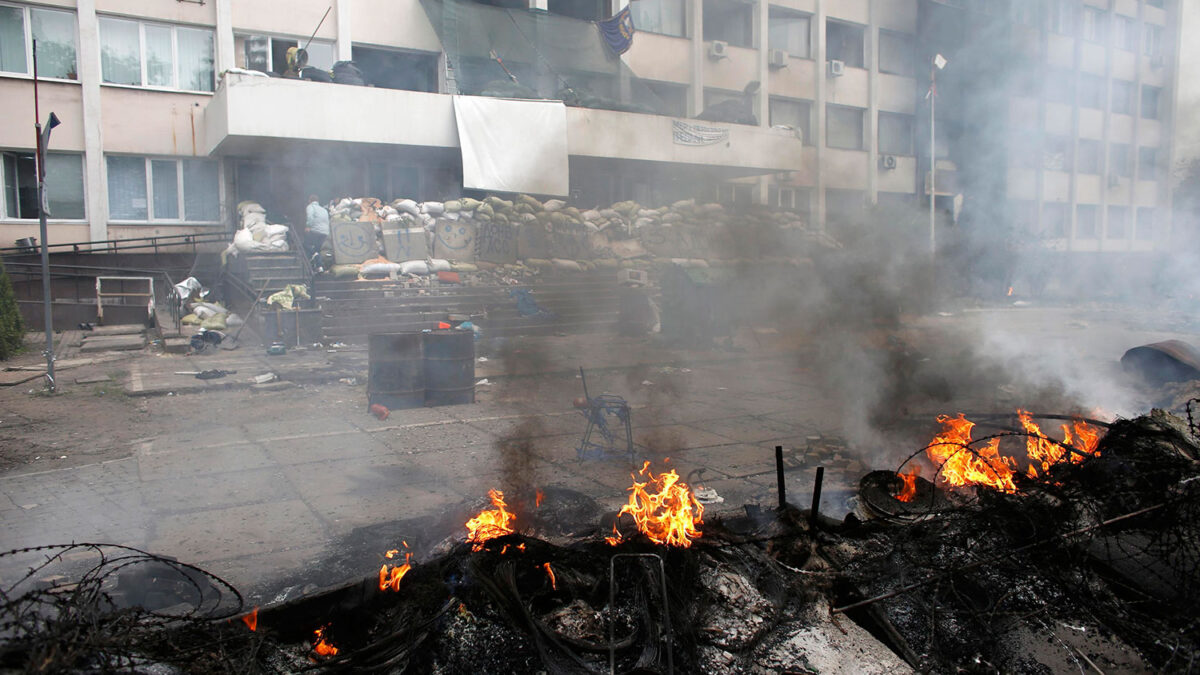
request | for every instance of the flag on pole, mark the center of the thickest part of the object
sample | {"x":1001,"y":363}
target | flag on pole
{"x":618,"y":31}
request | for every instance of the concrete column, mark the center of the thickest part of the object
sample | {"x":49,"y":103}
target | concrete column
{"x":344,"y":42}
{"x":226,"y":56}
{"x":818,"y":204}
{"x":872,"y":130}
{"x":96,"y":187}
{"x":695,"y":20}
{"x":761,"y":18}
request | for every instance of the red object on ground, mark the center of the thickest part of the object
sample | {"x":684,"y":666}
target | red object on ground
{"x":449,"y":277}
{"x":379,"y":411}
{"x":442,"y":325}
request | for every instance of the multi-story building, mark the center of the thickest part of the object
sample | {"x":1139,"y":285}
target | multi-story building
{"x":164,"y":129}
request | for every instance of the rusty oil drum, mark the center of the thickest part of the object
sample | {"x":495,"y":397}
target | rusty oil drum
{"x":395,"y":370}
{"x":449,"y":367}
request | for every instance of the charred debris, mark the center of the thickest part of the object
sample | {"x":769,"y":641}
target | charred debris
{"x":1090,"y":566}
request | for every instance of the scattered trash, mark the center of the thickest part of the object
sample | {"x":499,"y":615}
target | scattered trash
{"x":482,"y":359}
{"x":338,"y":345}
{"x":647,"y":383}
{"x":86,"y":326}
{"x":945,"y":314}
{"x":265,"y":378}
{"x":442,"y":325}
{"x":379,"y":411}
{"x":527,"y":306}
{"x":349,"y":381}
{"x":482,"y":383}
{"x":276,"y":349}
{"x":707,"y":496}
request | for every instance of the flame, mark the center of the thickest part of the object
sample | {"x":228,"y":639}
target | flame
{"x":322,"y":647}
{"x":667,"y":513}
{"x":985,"y":466}
{"x":537,"y":501}
{"x":389,"y":578}
{"x":490,"y":523}
{"x":909,"y":491}
{"x":550,"y":573}
{"x":962,"y":465}
{"x":1009,"y":291}
{"x":251,"y":619}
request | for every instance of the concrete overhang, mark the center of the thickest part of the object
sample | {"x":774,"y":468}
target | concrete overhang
{"x":259,"y":116}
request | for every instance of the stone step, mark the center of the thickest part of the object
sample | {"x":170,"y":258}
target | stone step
{"x":112,"y":343}
{"x":118,"y":329}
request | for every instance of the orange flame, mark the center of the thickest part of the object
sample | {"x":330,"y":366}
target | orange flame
{"x":537,"y":502}
{"x":251,"y":619}
{"x":389,"y":578}
{"x":490,"y":523}
{"x":667,"y":514}
{"x":909,"y":490}
{"x":1086,"y":439}
{"x":962,"y":465}
{"x":322,"y":647}
{"x":550,"y":573}
{"x":1010,"y":289}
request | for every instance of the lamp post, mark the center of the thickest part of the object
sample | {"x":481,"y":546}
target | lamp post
{"x":43,"y":140}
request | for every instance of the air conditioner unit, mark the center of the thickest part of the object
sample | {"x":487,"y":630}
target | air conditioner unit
{"x":887,"y":162}
{"x":718,"y":49}
{"x":837,"y":68}
{"x":777,"y":59}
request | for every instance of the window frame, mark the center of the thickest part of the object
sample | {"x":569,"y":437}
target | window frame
{"x":27,"y":18}
{"x":685,"y":7}
{"x":806,"y":131}
{"x":1099,"y":24}
{"x":299,"y":40}
{"x":1152,"y":41}
{"x":8,"y":218}
{"x":180,"y":197}
{"x":862,"y":57}
{"x":912,"y":133}
{"x":862,"y":133}
{"x":1094,"y":210}
{"x":142,"y":60}
{"x":1118,"y":209}
{"x":1125,"y":38}
{"x":1126,"y":87}
{"x":789,"y":14}
{"x":1158,"y":94}
{"x":912,"y":52}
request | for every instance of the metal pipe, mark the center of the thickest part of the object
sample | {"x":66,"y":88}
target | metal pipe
{"x":779,"y":479}
{"x":47,"y":308}
{"x":816,"y":503}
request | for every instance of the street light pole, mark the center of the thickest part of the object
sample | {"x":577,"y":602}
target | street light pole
{"x":939,"y":62}
{"x":43,"y":139}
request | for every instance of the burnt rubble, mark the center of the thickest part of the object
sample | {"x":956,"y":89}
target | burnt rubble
{"x":1093,"y":567}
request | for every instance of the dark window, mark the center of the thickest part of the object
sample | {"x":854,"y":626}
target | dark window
{"x":1095,"y":24}
{"x":667,"y":17}
{"x":794,"y":114}
{"x":1148,"y":163}
{"x":1054,"y":220}
{"x":1059,"y":86}
{"x":788,"y":199}
{"x":1150,"y":97}
{"x":1091,"y":91}
{"x":729,"y":21}
{"x":896,"y":53}
{"x":788,"y":30}
{"x":389,"y":69}
{"x":1056,"y":153}
{"x":844,"y":42}
{"x":1062,"y":16}
{"x":1122,"y":97}
{"x":1118,"y":223}
{"x":895,"y":134}
{"x":1088,"y":156}
{"x":1125,"y":33}
{"x":1146,"y":224}
{"x":1085,"y":221}
{"x":1153,"y":44}
{"x":64,"y":186}
{"x":844,"y":127}
{"x":588,"y":10}
{"x":1118,"y":160}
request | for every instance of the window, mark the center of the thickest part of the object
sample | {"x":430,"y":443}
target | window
{"x":389,"y":69}
{"x":671,"y":97}
{"x":788,"y":30}
{"x":588,"y":10}
{"x":1150,"y":96}
{"x":1155,"y":3}
{"x":269,"y":54}
{"x":64,"y":186}
{"x":156,"y":55}
{"x":55,"y":34}
{"x":844,"y":127}
{"x":1091,"y":91}
{"x":1088,"y":156}
{"x":792,"y":113}
{"x":740,"y":196}
{"x":1054,"y":220}
{"x":1125,"y":33}
{"x":1147,"y":223}
{"x":660,"y":16}
{"x":1148,"y":163}
{"x":895,"y":134}
{"x":1095,"y":24}
{"x":1056,"y":153}
{"x":729,"y":21}
{"x":1059,"y":86}
{"x":1085,"y":221}
{"x":144,"y":189}
{"x":1118,"y":160}
{"x":1062,"y":16}
{"x":1122,"y":97}
{"x":1153,"y":44}
{"x":788,"y":199}
{"x":1118,"y":223}
{"x":896,"y":53}
{"x":844,"y":42}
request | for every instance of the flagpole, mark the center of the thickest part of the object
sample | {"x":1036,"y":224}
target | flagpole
{"x":932,"y":161}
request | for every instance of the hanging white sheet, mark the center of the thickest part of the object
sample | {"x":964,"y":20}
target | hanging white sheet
{"x":513,"y":146}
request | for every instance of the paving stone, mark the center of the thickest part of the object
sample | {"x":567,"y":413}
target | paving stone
{"x":112,"y":343}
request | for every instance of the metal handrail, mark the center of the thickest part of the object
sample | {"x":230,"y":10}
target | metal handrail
{"x":164,"y":293}
{"x":116,"y":245}
{"x":298,"y":246}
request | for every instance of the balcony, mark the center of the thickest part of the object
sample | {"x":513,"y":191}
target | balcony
{"x":251,"y":116}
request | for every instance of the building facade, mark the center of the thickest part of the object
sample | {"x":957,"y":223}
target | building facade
{"x":165,"y":129}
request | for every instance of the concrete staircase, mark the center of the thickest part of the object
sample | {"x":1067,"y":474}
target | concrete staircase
{"x":271,"y":271}
{"x":582,"y":303}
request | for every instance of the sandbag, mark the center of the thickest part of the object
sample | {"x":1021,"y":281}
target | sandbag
{"x":190,"y":320}
{"x":344,"y":271}
{"x":414,"y":267}
{"x":561,"y":264}
{"x":215,"y":322}
{"x":407,"y":206}
{"x":439,"y":265}
{"x":433,"y":208}
{"x":553,"y":205}
{"x":379,"y":269}
{"x":277,"y":230}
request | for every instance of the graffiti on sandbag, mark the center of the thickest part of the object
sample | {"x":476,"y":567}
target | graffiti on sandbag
{"x":456,"y":236}
{"x":496,"y":242}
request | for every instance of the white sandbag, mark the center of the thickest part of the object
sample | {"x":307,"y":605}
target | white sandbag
{"x":244,"y":240}
{"x":433,"y":208}
{"x":203,"y":313}
{"x":277,"y":230}
{"x":407,"y":206}
{"x":233,"y":320}
{"x":448,"y":215}
{"x":414,"y":267}
{"x":210,"y":306}
{"x":278,"y":245}
{"x":554,"y":205}
{"x":394,"y":218}
{"x":253,"y":218}
{"x":250,"y":207}
{"x":591,"y":215}
{"x":439,"y":265}
{"x":380,"y":269}
{"x":561,"y":264}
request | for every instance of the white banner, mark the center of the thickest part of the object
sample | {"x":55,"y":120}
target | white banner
{"x":512,"y":145}
{"x":687,"y":133}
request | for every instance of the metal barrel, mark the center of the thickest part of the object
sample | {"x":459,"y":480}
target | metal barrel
{"x":449,"y":367}
{"x":395,"y":370}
